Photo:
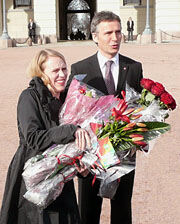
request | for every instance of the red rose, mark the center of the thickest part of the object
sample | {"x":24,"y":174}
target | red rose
{"x":157,"y":89}
{"x":82,"y":90}
{"x":172,"y":105}
{"x":167,"y":99}
{"x":147,"y":83}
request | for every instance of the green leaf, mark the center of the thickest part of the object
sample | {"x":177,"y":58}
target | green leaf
{"x":89,"y":94}
{"x":157,"y":125}
{"x":149,"y":97}
{"x":155,"y":129}
{"x":143,"y":94}
{"x":104,"y":136}
{"x":124,"y":146}
{"x":56,"y":170}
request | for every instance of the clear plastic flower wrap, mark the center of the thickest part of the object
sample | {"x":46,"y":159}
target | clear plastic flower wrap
{"x":38,"y":171}
{"x":117,"y":129}
{"x":109,"y":173}
{"x":153,"y":112}
{"x":45,"y":174}
{"x":49,"y":189}
{"x":152,"y":117}
{"x":84,"y":103}
{"x":43,"y":170}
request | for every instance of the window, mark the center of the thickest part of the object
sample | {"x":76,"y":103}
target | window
{"x":78,"y":5}
{"x":127,"y":2}
{"x":18,"y":3}
{"x":78,"y":20}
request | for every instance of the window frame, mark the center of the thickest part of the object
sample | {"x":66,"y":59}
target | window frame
{"x":16,"y":4}
{"x":130,"y":2}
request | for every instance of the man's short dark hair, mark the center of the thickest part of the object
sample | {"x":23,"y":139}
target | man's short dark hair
{"x":103,"y":16}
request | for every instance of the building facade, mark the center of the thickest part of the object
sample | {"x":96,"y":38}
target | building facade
{"x":63,"y":19}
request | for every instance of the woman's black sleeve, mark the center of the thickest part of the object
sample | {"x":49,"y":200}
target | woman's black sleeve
{"x":33,"y":126}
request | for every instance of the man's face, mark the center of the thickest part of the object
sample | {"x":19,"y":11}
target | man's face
{"x":108,"y":38}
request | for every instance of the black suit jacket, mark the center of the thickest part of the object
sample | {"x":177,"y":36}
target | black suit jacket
{"x":32,"y":31}
{"x":130,"y":71}
{"x":129,"y":28}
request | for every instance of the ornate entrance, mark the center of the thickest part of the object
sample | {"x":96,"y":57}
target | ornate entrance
{"x":75,"y":17}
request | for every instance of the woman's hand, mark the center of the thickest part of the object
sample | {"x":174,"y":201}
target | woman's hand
{"x":83,"y":139}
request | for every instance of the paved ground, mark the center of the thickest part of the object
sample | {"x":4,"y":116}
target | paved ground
{"x":156,"y":196}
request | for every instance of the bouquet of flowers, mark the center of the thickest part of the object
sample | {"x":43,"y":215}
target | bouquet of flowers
{"x":154,"y":91}
{"x":40,"y":172}
{"x":154,"y":97}
{"x":133,"y":123}
{"x":117,"y":129}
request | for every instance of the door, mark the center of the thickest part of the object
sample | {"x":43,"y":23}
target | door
{"x":75,"y":17}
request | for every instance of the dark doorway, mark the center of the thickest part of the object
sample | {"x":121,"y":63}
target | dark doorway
{"x":74,"y":19}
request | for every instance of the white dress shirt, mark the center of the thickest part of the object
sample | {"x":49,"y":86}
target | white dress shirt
{"x":31,"y":24}
{"x":114,"y":67}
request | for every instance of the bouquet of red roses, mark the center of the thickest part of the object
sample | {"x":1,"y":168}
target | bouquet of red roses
{"x":154,"y":91}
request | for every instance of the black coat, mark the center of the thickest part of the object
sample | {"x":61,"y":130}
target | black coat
{"x":32,"y":30}
{"x":37,"y":117}
{"x":130,"y":27}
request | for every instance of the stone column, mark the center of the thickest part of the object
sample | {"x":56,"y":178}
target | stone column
{"x":5,"y":40}
{"x":147,"y":36}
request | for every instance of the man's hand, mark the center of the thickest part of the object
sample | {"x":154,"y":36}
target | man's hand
{"x":82,"y":169}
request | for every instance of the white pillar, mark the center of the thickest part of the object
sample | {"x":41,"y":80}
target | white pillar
{"x":5,"y":40}
{"x":45,"y":18}
{"x":147,"y":28}
{"x":5,"y":32}
{"x":147,"y":37}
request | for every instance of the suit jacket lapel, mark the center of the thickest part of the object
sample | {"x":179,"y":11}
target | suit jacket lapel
{"x":96,"y":78}
{"x":123,"y":69}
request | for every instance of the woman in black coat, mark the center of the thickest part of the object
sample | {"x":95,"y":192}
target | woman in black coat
{"x":38,"y":126}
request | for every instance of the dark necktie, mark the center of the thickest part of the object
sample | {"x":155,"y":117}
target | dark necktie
{"x":109,"y":78}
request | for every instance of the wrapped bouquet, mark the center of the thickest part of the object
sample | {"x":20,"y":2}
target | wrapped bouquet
{"x":40,"y":172}
{"x":118,"y":127}
{"x":134,"y":122}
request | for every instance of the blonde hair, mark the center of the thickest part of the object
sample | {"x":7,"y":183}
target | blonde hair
{"x":35,"y":68}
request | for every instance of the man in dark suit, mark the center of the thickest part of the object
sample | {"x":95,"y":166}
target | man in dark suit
{"x":106,"y":33}
{"x":130,"y":28}
{"x":32,"y":30}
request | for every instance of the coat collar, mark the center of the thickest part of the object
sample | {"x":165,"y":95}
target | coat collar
{"x":42,"y":90}
{"x":50,"y":104}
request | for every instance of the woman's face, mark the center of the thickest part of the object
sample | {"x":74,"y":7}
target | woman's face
{"x":55,"y":68}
